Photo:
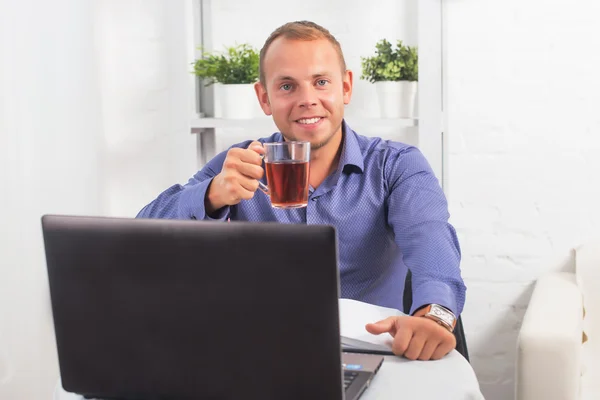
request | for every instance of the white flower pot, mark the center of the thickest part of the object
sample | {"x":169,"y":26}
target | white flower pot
{"x":396,"y":99}
{"x":365,"y":103}
{"x":238,"y":101}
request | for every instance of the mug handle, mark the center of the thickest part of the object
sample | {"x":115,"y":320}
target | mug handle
{"x":264,"y":188}
{"x":261,"y":185}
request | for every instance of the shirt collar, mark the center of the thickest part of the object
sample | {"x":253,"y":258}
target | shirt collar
{"x":351,"y":152}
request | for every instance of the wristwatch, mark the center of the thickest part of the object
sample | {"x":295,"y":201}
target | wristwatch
{"x":441,"y":315}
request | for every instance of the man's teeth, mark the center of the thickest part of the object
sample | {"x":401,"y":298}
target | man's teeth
{"x":309,"y":120}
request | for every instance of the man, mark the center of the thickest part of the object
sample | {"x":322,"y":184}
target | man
{"x":382,"y":197}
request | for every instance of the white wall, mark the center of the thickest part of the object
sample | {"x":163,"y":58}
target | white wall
{"x":48,"y":163}
{"x":104,"y":78}
{"x":524,"y":131}
{"x":94,"y":108}
{"x":145,"y":80}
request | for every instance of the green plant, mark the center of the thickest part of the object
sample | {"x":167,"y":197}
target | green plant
{"x":388,"y":64}
{"x":238,"y":64}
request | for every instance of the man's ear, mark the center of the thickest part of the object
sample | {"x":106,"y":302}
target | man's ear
{"x":347,"y":86}
{"x":263,"y":98}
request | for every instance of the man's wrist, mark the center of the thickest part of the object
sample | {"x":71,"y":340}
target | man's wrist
{"x":419,"y":312}
{"x":212,"y":207}
{"x":439,"y":314}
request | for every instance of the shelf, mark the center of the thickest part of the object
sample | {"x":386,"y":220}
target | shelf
{"x":401,"y":130}
{"x":427,"y":132}
{"x":223,"y":123}
{"x":267,"y":124}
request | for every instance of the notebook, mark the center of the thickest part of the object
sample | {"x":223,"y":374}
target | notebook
{"x":354,"y":315}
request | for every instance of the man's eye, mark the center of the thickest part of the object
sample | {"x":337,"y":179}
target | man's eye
{"x":285,"y":86}
{"x":322,"y":82}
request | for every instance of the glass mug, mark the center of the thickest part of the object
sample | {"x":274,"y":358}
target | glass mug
{"x":287,"y":169}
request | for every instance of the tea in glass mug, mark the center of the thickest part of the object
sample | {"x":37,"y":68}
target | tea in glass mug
{"x":287,"y":169}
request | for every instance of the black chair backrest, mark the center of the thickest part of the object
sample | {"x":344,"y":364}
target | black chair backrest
{"x":459,"y":333}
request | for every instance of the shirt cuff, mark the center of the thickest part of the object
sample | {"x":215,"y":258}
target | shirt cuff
{"x":191,"y":204}
{"x":433,"y":293}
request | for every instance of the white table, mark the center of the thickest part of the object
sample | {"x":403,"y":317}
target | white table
{"x":450,"y":378}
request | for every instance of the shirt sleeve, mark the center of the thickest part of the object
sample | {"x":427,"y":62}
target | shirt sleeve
{"x":187,"y":201}
{"x":418,"y":214}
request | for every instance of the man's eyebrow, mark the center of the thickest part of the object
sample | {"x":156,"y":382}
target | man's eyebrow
{"x":285,"y":78}
{"x":289,"y":78}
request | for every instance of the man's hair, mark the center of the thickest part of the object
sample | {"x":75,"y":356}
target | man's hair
{"x":299,"y":30}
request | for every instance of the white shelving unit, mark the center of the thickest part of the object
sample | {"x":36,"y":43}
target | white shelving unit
{"x":427,"y":132}
{"x":266,"y":123}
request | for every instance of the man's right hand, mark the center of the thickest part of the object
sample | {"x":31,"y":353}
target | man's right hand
{"x":238,"y":180}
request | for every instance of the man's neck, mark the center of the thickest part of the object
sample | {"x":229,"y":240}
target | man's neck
{"x":325,"y":160}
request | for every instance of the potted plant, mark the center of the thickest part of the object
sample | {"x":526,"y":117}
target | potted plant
{"x":235,"y":70}
{"x":395,"y":72}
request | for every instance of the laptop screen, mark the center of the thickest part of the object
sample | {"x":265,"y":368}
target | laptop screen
{"x":192,"y":309}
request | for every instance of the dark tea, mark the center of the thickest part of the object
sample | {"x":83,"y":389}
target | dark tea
{"x":288,"y":183}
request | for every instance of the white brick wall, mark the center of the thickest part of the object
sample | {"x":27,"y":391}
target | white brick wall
{"x":524,"y":136}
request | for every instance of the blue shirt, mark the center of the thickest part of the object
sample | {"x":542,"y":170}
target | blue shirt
{"x":389,"y":211}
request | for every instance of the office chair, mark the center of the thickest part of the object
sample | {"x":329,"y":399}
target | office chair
{"x":459,"y":333}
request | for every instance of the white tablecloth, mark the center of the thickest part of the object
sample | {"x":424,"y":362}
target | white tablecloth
{"x":450,"y":378}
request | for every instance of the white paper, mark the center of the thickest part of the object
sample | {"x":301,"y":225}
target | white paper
{"x":354,"y":315}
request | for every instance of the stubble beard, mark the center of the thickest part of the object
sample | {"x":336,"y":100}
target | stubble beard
{"x":316,"y":146}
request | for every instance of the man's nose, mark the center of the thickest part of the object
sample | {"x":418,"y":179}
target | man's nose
{"x":308,"y":96}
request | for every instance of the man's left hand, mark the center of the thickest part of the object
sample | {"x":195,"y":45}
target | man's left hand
{"x":416,"y":338}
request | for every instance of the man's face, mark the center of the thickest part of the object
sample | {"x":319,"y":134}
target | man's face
{"x":306,"y":89}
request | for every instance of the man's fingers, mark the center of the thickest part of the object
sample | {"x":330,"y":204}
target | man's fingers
{"x":385,"y":325}
{"x":238,"y":179}
{"x":249,"y":185}
{"x":236,"y":187}
{"x":415,"y":337}
{"x":239,"y":194}
{"x":246,"y":194}
{"x":430,"y":346}
{"x":257,"y":146}
{"x":443,"y":349}
{"x":415,"y":347}
{"x":234,"y":156}
{"x":258,"y":150}
{"x":250,"y":170}
{"x":245,"y":162}
{"x":402,"y":340}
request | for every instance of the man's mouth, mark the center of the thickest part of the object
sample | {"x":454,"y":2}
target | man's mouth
{"x":309,"y":121}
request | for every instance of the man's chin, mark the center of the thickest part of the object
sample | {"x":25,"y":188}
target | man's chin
{"x":317,"y":138}
{"x":311,"y":136}
{"x":316,"y":142}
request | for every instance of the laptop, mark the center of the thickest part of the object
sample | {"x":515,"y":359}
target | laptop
{"x":167,"y":309}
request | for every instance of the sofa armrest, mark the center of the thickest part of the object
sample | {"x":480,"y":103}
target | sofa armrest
{"x":549,"y":343}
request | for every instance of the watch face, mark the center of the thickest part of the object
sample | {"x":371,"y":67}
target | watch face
{"x":442,"y":314}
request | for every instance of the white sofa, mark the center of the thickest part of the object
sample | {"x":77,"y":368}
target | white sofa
{"x":557,"y":344}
